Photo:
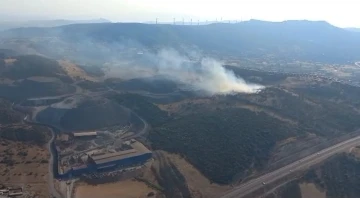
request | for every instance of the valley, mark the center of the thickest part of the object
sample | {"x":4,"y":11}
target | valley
{"x":141,"y":120}
{"x":165,"y":118}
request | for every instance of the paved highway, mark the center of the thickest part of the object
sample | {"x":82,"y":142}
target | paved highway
{"x":302,"y":164}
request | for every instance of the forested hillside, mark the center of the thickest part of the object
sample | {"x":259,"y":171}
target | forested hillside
{"x":11,"y":127}
{"x":145,"y":109}
{"x":322,"y":116}
{"x":25,"y":133}
{"x":7,"y":115}
{"x":26,"y":76}
{"x":338,"y":177}
{"x":223,"y":143}
{"x":31,"y":65}
{"x":108,"y":113}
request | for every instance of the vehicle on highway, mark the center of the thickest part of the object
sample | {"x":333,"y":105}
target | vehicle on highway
{"x":263,"y":183}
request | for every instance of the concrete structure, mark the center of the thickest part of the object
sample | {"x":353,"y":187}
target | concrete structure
{"x":135,"y":156}
{"x":63,"y":137}
{"x":85,"y":134}
{"x":15,"y":192}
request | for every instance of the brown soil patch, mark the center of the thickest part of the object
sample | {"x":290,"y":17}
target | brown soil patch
{"x":29,"y":170}
{"x":199,"y":185}
{"x":309,"y":190}
{"x":123,"y":189}
{"x":75,"y":72}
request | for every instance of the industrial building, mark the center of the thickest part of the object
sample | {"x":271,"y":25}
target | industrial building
{"x":122,"y":158}
{"x":137,"y":155}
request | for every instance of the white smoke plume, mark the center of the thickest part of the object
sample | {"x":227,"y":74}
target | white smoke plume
{"x":205,"y":74}
{"x":129,"y":59}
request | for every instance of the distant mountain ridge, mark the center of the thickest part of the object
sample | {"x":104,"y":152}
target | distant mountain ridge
{"x":4,"y":25}
{"x":353,"y":29}
{"x":292,"y":40}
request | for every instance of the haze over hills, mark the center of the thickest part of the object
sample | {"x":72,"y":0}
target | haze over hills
{"x":206,"y":122}
{"x":289,"y":40}
{"x":5,"y":25}
{"x":353,"y":29}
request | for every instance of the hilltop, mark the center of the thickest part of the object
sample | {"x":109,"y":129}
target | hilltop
{"x":4,"y":25}
{"x":289,"y":40}
{"x":27,"y":76}
{"x":226,"y":139}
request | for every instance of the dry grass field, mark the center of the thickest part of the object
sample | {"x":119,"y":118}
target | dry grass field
{"x":24,"y":165}
{"x":123,"y":189}
{"x":310,"y":191}
{"x":74,"y":71}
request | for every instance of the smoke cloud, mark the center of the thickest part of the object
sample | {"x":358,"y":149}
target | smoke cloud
{"x":202,"y":74}
{"x":128,"y":59}
{"x":206,"y":74}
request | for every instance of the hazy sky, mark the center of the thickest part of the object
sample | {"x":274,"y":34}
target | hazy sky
{"x":343,"y":13}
